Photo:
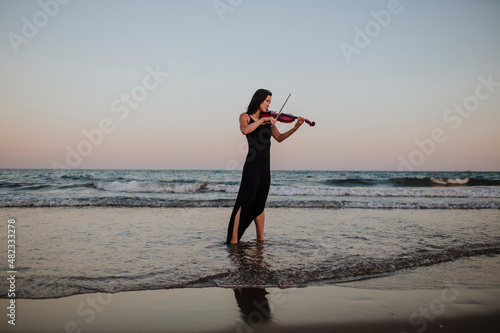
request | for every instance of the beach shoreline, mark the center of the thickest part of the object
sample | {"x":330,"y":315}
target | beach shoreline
{"x":66,"y":251}
{"x":318,"y":309}
{"x":167,"y":270}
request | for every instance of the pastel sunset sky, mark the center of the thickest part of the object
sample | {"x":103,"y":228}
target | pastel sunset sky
{"x":160,"y":84}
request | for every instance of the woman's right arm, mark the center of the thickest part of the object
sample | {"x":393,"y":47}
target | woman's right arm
{"x":247,"y":128}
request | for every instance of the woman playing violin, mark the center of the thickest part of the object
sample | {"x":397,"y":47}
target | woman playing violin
{"x":256,"y":175}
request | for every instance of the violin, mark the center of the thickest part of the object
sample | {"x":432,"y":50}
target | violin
{"x":283,"y":117}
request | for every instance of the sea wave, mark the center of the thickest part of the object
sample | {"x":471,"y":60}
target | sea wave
{"x":150,"y":187}
{"x":450,"y":181}
{"x":341,"y":269}
{"x":413,"y":182}
{"x":271,"y":203}
{"x":203,"y":187}
{"x":386,"y":192}
{"x":322,"y":267}
{"x":10,"y":184}
{"x":159,"y":187}
{"x":25,"y":186}
{"x":350,"y":182}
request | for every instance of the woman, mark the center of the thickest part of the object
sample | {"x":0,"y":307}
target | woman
{"x":256,"y":176}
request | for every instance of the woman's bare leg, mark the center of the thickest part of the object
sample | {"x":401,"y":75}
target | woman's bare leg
{"x":259,"y":226}
{"x":234,"y":236}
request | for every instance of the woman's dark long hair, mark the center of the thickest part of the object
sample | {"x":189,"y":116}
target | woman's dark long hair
{"x":257,"y":99}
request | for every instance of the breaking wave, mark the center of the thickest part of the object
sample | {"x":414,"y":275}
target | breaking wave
{"x":199,"y":187}
{"x":158,"y":187}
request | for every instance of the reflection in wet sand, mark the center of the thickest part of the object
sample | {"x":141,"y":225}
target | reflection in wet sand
{"x":252,"y":301}
{"x":254,"y":305}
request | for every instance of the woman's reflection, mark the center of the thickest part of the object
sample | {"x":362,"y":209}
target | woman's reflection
{"x":251,"y":269}
{"x":254,"y":306}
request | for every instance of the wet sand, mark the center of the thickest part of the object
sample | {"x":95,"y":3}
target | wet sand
{"x":462,"y":295}
{"x":311,"y":309}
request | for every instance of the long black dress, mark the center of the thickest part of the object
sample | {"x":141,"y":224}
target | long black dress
{"x":255,"y":180}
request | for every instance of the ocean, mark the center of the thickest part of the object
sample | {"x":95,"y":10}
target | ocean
{"x":289,"y":189}
{"x":84,"y":231}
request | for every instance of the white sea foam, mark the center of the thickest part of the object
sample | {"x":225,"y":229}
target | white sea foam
{"x":316,"y":191}
{"x":386,"y":192}
{"x":150,"y":187}
{"x":449,"y":181}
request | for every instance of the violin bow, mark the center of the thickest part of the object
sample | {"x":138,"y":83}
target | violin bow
{"x":286,"y":100}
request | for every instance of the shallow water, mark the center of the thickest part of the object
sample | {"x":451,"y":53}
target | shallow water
{"x":65,"y":251}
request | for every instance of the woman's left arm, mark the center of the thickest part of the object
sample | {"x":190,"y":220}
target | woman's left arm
{"x":282,"y":136}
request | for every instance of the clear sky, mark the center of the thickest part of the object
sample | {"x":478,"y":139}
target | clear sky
{"x":409,"y":85}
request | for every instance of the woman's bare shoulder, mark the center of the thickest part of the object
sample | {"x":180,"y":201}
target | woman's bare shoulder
{"x":244,"y":116}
